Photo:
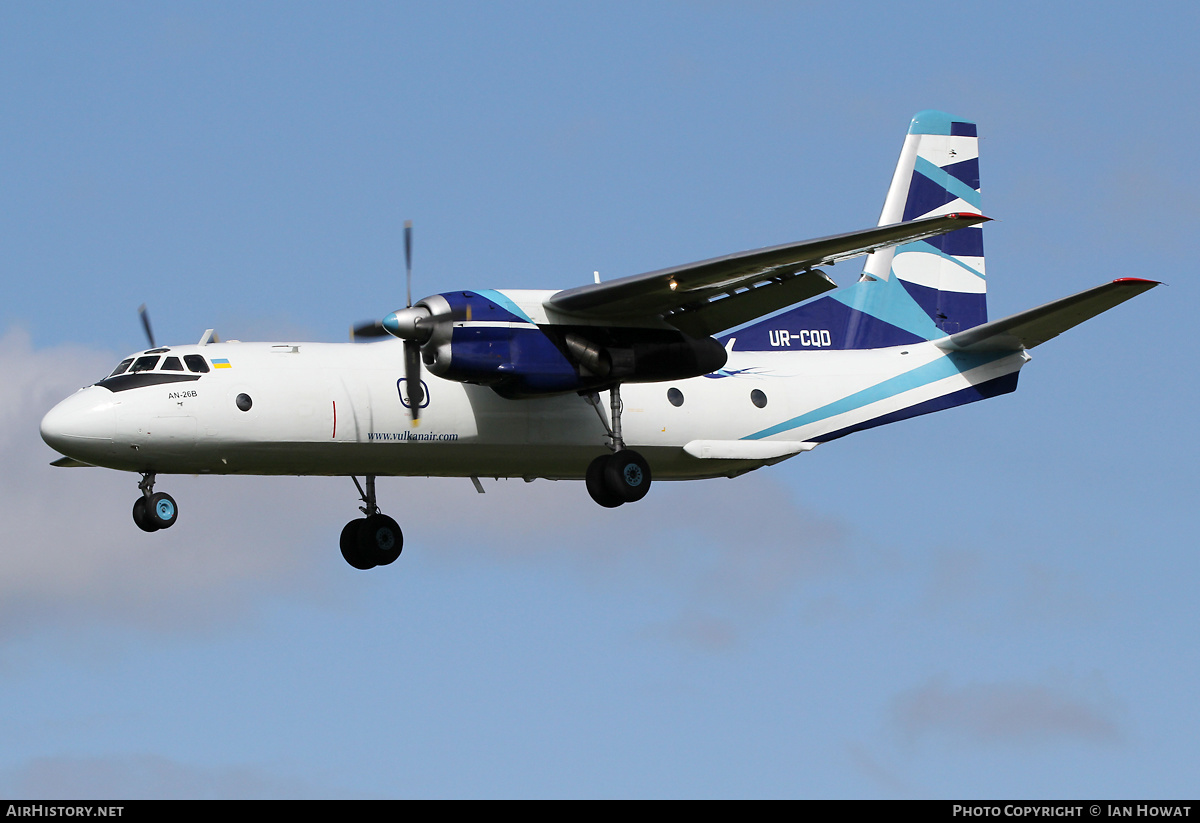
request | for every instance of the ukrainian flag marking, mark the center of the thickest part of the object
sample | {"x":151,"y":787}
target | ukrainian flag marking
{"x":221,"y":363}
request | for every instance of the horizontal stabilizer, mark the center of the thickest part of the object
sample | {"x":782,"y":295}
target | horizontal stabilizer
{"x":1027,"y":329}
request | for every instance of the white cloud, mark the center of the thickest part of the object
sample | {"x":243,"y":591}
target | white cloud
{"x":1008,"y":713}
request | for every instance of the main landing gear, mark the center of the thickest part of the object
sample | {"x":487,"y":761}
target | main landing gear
{"x":374,"y":540}
{"x":624,"y":475}
{"x":153,"y":511}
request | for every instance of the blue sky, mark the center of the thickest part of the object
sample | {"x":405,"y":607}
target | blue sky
{"x":996,"y":601}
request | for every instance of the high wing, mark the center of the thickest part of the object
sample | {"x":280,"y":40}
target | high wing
{"x":713,"y":295}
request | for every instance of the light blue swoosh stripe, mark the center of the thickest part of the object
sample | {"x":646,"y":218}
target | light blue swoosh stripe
{"x":922,"y":245}
{"x":501,"y":300}
{"x":887,"y":300}
{"x":950,"y":364}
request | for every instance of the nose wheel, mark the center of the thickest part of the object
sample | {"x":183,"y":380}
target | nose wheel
{"x":154,"y":510}
{"x":374,"y":540}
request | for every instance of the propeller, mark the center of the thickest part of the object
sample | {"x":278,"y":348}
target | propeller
{"x":413,"y":340}
{"x":415,"y":325}
{"x":142,"y":313}
{"x":375,"y":328}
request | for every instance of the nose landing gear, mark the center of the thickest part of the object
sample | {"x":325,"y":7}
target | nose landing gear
{"x":153,"y":511}
{"x":374,"y":540}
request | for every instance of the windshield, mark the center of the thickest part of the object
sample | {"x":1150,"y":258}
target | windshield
{"x":153,"y":368}
{"x":144,"y":363}
{"x":121,"y":367}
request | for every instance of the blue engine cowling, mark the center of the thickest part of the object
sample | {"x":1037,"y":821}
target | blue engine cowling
{"x":478,"y":341}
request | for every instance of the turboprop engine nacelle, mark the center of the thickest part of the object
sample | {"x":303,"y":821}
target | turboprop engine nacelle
{"x":473,"y":340}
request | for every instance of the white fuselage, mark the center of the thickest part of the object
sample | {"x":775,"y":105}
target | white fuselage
{"x":336,"y":409}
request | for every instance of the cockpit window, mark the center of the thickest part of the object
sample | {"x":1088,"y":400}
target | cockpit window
{"x":144,"y":363}
{"x":195,"y":363}
{"x":121,"y":367}
{"x":153,"y":369}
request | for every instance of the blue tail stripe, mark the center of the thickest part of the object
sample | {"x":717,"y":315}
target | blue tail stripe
{"x":967,"y":171}
{"x":941,"y":177}
{"x":925,"y":196}
{"x":952,"y":311}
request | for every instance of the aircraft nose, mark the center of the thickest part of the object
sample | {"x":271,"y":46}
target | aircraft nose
{"x":82,"y":425}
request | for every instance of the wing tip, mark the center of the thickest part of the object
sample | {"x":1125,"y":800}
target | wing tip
{"x":973,"y":216}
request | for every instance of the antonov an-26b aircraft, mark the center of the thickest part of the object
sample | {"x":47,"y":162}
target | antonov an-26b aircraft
{"x":508,"y":383}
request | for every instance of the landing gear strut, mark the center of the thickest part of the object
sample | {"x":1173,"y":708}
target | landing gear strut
{"x":624,"y":475}
{"x":374,"y":540}
{"x":153,"y":511}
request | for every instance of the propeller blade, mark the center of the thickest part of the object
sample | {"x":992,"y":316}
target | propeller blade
{"x":410,"y":325}
{"x":408,"y":260}
{"x":146,"y":325}
{"x":367,"y":331}
{"x":412,"y":379}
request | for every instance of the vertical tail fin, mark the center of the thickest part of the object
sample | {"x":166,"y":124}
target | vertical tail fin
{"x":922,"y":290}
{"x":938,"y":172}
